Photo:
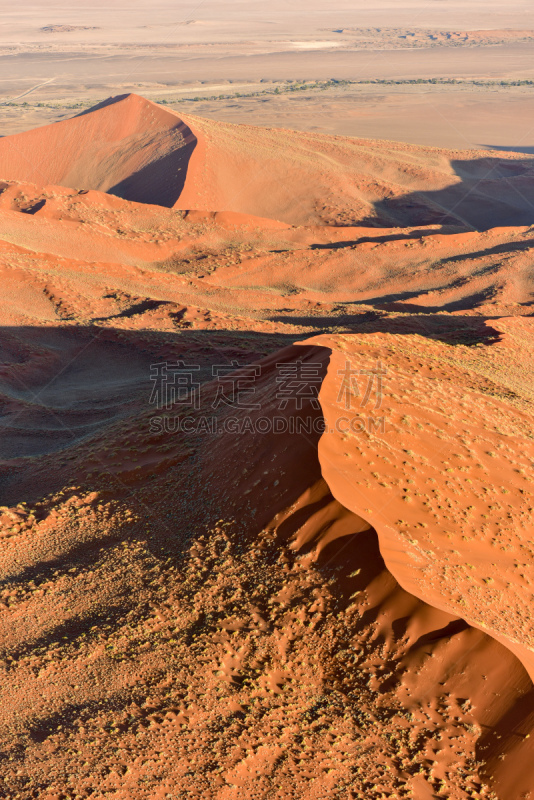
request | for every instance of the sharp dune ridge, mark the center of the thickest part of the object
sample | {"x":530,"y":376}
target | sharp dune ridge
{"x":341,"y":610}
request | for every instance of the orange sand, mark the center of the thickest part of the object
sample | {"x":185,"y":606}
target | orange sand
{"x":339,"y":614}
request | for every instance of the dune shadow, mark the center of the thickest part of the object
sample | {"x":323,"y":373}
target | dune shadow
{"x":464,"y":330}
{"x":76,"y":628}
{"x":390,"y":237}
{"x":59,"y":386}
{"x":80,"y":557}
{"x":508,"y":148}
{"x":109,"y":101}
{"x":139,"y":308}
{"x":451,"y":629}
{"x":491,"y":192}
{"x":159,"y":183}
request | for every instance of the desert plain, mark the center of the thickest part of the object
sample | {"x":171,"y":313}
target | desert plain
{"x":266,"y":401}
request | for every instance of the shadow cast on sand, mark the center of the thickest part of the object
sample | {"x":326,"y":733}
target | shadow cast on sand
{"x":390,"y":237}
{"x":509,"y":148}
{"x":159,"y":183}
{"x":76,"y":381}
{"x":492,"y":192}
{"x":457,"y":330}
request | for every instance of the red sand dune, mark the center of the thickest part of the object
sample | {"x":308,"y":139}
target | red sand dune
{"x":446,"y":421}
{"x":136,"y":149}
{"x":253,"y":614}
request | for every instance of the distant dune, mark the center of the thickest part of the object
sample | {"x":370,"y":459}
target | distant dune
{"x":137,"y":150}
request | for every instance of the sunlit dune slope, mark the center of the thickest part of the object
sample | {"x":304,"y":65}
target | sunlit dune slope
{"x":442,"y":469}
{"x":62,"y":248}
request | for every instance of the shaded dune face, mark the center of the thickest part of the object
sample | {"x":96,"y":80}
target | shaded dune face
{"x":331,"y":598}
{"x":161,"y":182}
